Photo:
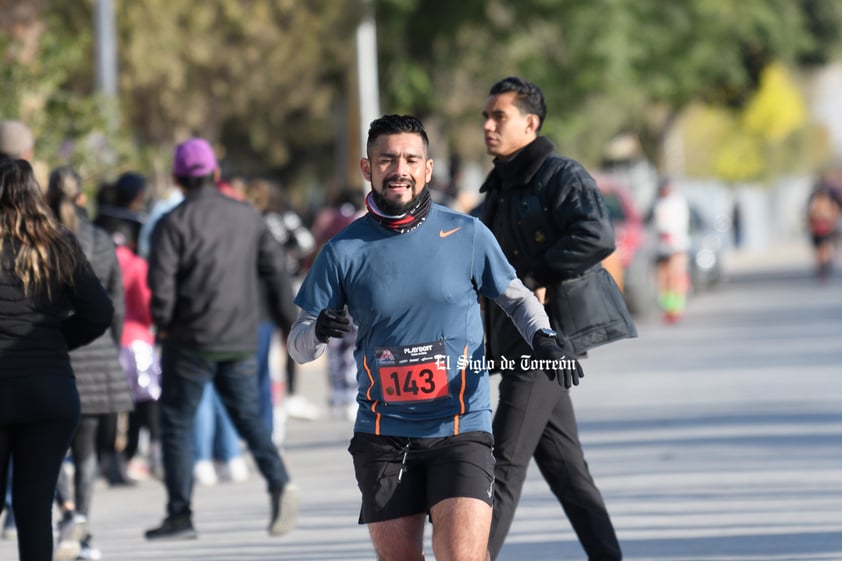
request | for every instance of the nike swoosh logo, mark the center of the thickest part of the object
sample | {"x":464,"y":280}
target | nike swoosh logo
{"x":443,"y":234}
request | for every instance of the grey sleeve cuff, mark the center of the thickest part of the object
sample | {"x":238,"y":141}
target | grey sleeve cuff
{"x":521,"y":305}
{"x":302,"y":344}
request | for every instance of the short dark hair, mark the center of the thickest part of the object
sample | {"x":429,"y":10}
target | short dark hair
{"x":530,"y":98}
{"x":395,"y":124}
{"x":191,"y":183}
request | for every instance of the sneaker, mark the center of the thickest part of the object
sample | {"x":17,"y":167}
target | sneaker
{"x":71,"y":529}
{"x":672,"y":317}
{"x":67,"y":551}
{"x":299,"y":407}
{"x":284,"y":510}
{"x":138,"y":470}
{"x":236,"y":470}
{"x":87,"y":551}
{"x":175,"y":527}
{"x":204,"y":473}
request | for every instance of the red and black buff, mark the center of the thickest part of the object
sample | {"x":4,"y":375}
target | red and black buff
{"x":405,"y":222}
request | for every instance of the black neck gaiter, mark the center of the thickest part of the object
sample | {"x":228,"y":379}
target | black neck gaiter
{"x":405,"y":222}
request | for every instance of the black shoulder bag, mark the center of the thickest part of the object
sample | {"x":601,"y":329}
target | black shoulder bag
{"x":587,"y":310}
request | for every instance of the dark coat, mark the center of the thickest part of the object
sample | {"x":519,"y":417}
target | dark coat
{"x":208,"y":257}
{"x":36,"y":334}
{"x":552,"y":223}
{"x":102,"y":384}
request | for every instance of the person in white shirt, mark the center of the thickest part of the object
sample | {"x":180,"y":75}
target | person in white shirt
{"x":671,"y":219}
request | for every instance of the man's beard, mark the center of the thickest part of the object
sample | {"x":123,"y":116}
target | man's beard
{"x":395,"y":208}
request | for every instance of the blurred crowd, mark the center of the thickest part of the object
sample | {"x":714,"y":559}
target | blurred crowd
{"x":119,"y":374}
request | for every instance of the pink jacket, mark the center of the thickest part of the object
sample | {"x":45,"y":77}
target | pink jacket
{"x":138,"y":322}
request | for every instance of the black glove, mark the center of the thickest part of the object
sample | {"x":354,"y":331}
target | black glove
{"x":332,"y":323}
{"x":566,"y":370}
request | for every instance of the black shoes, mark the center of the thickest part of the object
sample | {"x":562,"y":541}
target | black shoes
{"x":284,"y":506}
{"x":175,"y":527}
{"x":284,"y":510}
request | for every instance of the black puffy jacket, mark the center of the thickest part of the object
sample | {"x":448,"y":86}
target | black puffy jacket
{"x":36,"y":333}
{"x":552,"y":223}
{"x":102,"y":384}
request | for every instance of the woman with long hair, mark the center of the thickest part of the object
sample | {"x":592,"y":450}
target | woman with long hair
{"x":102,"y":384}
{"x":50,"y":302}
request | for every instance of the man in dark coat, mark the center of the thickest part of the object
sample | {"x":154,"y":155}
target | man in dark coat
{"x":553,"y":226}
{"x":209,"y":256}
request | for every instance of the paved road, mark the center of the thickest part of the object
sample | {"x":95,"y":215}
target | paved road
{"x":718,"y":439}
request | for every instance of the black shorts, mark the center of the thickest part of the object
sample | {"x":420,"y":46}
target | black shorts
{"x":820,"y":239}
{"x":435,"y":469}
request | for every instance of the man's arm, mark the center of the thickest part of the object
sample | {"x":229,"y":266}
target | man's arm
{"x":161,"y":275}
{"x":532,"y":322}
{"x":523,"y":307}
{"x":302,"y":344}
{"x":586,"y":234}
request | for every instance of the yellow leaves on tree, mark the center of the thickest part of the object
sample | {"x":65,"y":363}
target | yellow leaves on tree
{"x":752,"y":143}
{"x":740,"y":157}
{"x":775,"y":113}
{"x":777,"y":109}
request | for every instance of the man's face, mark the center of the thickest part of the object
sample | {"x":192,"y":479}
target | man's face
{"x":398,"y":170}
{"x":506,"y":129}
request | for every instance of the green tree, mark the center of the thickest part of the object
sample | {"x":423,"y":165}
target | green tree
{"x":43,"y":51}
{"x":604,"y":65}
{"x":259,"y":77}
{"x":266,"y":79}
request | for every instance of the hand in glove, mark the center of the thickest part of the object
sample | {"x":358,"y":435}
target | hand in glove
{"x":332,"y":323}
{"x":566,"y":370}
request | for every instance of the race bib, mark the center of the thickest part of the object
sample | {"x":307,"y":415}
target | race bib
{"x":412,"y":372}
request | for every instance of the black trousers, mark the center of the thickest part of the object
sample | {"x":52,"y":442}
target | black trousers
{"x":38,"y":415}
{"x":183,"y":381}
{"x":83,"y":450}
{"x":535,"y":418}
{"x":145,"y":414}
